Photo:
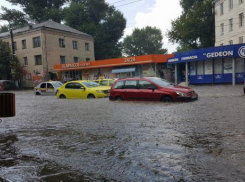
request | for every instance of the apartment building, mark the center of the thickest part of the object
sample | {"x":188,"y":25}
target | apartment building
{"x":229,"y":22}
{"x":39,"y":47}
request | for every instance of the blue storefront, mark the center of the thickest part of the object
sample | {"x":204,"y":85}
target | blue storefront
{"x":224,"y":64}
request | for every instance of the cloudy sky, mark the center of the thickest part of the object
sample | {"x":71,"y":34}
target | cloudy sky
{"x":140,"y":13}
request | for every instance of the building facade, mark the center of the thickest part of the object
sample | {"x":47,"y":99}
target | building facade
{"x":39,"y":47}
{"x":214,"y":65}
{"x":229,"y":22}
{"x":138,"y":66}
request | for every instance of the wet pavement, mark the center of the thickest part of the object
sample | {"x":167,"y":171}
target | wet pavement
{"x":99,"y":140}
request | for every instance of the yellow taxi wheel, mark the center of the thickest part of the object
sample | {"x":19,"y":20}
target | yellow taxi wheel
{"x":62,"y":96}
{"x":91,"y":96}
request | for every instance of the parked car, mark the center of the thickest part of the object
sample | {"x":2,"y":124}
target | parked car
{"x":150,"y":89}
{"x":82,"y":89}
{"x":47,"y":88}
{"x":105,"y":82}
{"x":6,"y":85}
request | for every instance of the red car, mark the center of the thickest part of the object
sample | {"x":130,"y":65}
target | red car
{"x":150,"y":89}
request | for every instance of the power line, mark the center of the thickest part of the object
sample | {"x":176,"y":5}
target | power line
{"x":118,"y":1}
{"x":128,"y":3}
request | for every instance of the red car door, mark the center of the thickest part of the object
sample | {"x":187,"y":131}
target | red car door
{"x":130,"y":91}
{"x":148,"y":91}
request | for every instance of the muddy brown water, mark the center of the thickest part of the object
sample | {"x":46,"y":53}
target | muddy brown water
{"x":98,"y":140}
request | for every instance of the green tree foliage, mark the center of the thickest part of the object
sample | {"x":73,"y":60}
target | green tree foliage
{"x":195,"y":28}
{"x":144,"y":41}
{"x":42,"y":10}
{"x":4,"y":28}
{"x":16,"y":19}
{"x":103,"y":22}
{"x":5,"y":60}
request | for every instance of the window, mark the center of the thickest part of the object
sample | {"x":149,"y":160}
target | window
{"x":240,"y":1}
{"x":240,"y":40}
{"x":25,"y":61}
{"x":221,"y":44}
{"x":221,"y":9}
{"x":145,"y":85}
{"x":76,"y":60}
{"x":104,"y":82}
{"x":239,"y":65}
{"x":241,"y":20}
{"x":62,"y":43}
{"x":38,"y":60}
{"x":230,"y":24}
{"x":23,"y":44}
{"x":86,"y":46}
{"x":62,"y":59}
{"x":15,"y":46}
{"x":200,"y":68}
{"x":49,"y":85}
{"x":74,"y":43}
{"x":36,"y":42}
{"x":218,"y":66}
{"x":111,"y":82}
{"x":231,"y":42}
{"x":119,"y":85}
{"x":43,"y":85}
{"x":87,"y":59}
{"x":132,"y":84}
{"x":73,"y":86}
{"x":231,"y":4}
{"x":222,"y":29}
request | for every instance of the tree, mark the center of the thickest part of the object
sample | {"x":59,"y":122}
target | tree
{"x":144,"y":41}
{"x":16,"y":19}
{"x":103,"y":22}
{"x":42,"y":10}
{"x":4,"y":28}
{"x":5,"y":61}
{"x":195,"y":28}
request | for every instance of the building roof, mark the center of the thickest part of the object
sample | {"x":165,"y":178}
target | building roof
{"x":47,"y":24}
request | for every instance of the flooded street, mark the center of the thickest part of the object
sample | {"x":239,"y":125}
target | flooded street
{"x":99,"y":140}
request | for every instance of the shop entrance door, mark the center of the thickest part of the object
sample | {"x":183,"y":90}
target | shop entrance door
{"x":181,"y":72}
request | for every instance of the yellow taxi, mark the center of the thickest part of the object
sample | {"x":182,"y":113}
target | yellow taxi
{"x":82,"y":89}
{"x":105,"y":82}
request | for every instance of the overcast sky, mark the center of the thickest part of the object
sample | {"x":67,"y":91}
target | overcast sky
{"x":140,"y":13}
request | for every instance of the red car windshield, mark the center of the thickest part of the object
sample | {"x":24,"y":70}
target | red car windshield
{"x":160,"y":82}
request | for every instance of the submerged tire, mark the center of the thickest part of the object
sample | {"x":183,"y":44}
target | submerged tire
{"x":167,"y":99}
{"x":118,"y":99}
{"x":91,"y":96}
{"x":62,"y":97}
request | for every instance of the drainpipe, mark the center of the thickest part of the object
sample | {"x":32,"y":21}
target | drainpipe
{"x":186,"y":74}
{"x":233,"y":71}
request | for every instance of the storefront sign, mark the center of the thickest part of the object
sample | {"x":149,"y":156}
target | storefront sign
{"x":173,"y":60}
{"x":129,"y":60}
{"x":75,"y":65}
{"x":241,"y":52}
{"x":188,"y":58}
{"x":218,"y":54}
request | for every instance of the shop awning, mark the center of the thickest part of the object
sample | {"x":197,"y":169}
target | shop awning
{"x":124,"y":70}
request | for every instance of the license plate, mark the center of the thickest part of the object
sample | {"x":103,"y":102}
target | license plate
{"x":194,"y":96}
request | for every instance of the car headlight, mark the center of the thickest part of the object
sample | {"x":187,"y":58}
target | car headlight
{"x":99,"y":91}
{"x":181,"y":94}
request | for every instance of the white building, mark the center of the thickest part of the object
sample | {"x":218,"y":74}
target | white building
{"x":229,"y":22}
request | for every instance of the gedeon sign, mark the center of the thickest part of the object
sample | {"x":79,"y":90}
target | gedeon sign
{"x":241,"y":52}
{"x":75,"y":65}
{"x":219,"y":54}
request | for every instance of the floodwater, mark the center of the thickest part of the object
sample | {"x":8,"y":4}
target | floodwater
{"x":99,"y":140}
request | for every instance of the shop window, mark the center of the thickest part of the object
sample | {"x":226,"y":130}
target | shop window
{"x":193,"y":68}
{"x":130,"y":84}
{"x":200,"y":68}
{"x":228,"y":65}
{"x":208,"y":67}
{"x":218,"y":66}
{"x":239,"y":65}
